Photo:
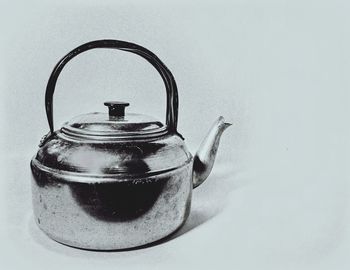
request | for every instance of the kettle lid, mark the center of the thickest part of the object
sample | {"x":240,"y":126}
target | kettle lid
{"x":114,"y":124}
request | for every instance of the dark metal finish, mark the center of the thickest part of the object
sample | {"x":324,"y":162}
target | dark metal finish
{"x":116,"y":108}
{"x":117,"y":181}
{"x":113,"y":212}
{"x":169,"y":81}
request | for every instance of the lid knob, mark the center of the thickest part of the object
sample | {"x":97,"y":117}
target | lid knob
{"x":116,"y":108}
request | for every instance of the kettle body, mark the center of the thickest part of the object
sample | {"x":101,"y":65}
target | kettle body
{"x":114,"y":211}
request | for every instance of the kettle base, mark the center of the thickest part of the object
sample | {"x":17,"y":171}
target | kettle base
{"x":150,"y":244}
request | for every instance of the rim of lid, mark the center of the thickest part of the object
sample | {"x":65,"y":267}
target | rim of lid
{"x":102,"y":126}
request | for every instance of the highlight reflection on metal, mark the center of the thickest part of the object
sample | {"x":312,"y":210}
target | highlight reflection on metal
{"x":205,"y":156}
{"x":117,"y":180}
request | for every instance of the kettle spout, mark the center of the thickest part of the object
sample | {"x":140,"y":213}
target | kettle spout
{"x":205,"y":156}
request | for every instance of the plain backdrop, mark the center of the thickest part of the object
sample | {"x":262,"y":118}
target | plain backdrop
{"x":279,"y":194}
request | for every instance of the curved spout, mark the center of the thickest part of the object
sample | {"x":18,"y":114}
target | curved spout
{"x":205,"y":156}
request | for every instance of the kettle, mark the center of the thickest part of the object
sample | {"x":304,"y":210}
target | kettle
{"x":117,"y":180}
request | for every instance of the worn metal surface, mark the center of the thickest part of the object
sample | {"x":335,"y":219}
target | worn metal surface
{"x":107,"y":213}
{"x":111,"y":194}
{"x":120,"y":180}
{"x":205,"y":156}
{"x":99,"y":158}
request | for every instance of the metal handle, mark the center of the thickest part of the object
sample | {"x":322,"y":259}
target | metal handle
{"x":168,"y":79}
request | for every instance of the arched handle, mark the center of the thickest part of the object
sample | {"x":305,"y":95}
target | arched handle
{"x":169,"y":81}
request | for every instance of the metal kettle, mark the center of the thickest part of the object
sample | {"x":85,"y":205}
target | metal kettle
{"x":117,"y":180}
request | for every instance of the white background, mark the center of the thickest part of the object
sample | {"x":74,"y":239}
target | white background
{"x":279,"y":194}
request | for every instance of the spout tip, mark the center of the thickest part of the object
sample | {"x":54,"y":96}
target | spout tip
{"x":222,"y":122}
